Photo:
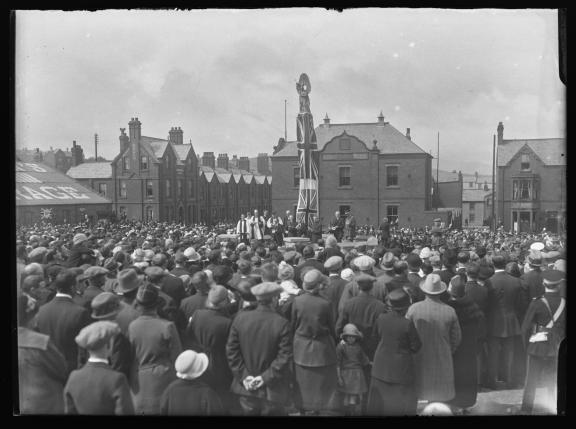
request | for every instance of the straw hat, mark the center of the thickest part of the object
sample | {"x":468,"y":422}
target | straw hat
{"x":433,"y":285}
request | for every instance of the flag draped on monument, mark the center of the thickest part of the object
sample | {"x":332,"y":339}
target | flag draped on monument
{"x":307,"y":155}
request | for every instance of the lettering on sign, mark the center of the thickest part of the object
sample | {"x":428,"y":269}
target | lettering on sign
{"x":28,"y":166}
{"x":343,"y":156}
{"x":50,"y":193}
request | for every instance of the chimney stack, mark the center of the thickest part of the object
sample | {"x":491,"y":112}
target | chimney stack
{"x":381,"y":119}
{"x":326,"y":121}
{"x":408,"y":134}
{"x":208,"y":160}
{"x":135,"y":130}
{"x":262,"y":163}
{"x":234,"y":161}
{"x":500,"y":133}
{"x":223,"y":161}
{"x":244,"y":163}
{"x":176,"y":135}
{"x":124,"y":140}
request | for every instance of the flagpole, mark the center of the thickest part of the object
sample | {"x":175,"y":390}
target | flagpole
{"x":493,"y":182}
{"x":285,"y":132}
{"x":437,"y":169}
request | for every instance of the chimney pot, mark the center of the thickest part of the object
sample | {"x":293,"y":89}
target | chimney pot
{"x":408,"y":134}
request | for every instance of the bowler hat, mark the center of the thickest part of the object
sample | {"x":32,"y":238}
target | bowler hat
{"x":105,"y":305}
{"x":433,"y":285}
{"x":128,"y":281}
{"x":190,"y":365}
{"x":97,"y":334}
{"x":535,"y":258}
{"x":398,"y":299}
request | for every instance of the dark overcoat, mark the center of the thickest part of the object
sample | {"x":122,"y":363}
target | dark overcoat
{"x":96,"y":389}
{"x":190,"y":398}
{"x":505,"y":302}
{"x":333,"y":292}
{"x":270,"y":356}
{"x":42,"y":374}
{"x":61,"y":319}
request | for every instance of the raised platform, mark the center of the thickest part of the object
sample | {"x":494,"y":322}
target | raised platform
{"x":290,"y":242}
{"x":228,"y":237}
{"x":351,"y":244}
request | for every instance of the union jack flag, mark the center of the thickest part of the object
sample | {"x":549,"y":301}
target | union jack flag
{"x":308,"y":161}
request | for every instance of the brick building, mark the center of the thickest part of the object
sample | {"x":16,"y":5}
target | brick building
{"x":164,"y":179}
{"x":371,"y":168}
{"x":531,"y":183}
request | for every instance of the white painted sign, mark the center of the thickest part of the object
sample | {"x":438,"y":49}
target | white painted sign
{"x":49,"y":193}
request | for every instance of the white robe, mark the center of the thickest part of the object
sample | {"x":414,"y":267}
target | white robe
{"x":239,"y":227}
{"x":257,"y":227}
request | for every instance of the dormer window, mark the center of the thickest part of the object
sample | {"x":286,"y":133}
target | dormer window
{"x":525,"y":162}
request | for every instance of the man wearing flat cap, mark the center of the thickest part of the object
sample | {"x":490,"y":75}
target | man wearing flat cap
{"x":365,"y":265}
{"x":543,"y":329}
{"x":261,"y":368}
{"x":128,"y":284}
{"x":333,"y":290}
{"x":363,"y":311}
{"x":156,"y":346}
{"x":96,"y":388}
{"x":207,"y":333}
{"x":96,"y":277}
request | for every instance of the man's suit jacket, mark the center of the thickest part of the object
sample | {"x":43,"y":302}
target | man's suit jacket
{"x":270,"y":356}
{"x":96,"y":389}
{"x":398,"y":342}
{"x":363,"y":311}
{"x":533,"y":281}
{"x":208,"y":333}
{"x":61,"y":319}
{"x":333,"y":292}
{"x":478,"y":294}
{"x":313,"y":326}
{"x":505,"y":302}
{"x":174,"y":287}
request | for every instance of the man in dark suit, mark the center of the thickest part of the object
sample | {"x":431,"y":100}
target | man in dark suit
{"x":96,"y":277}
{"x":260,"y":368}
{"x":533,"y":278}
{"x":414,"y":263}
{"x":505,"y":302}
{"x":400,"y":279}
{"x":450,"y":260}
{"x":61,"y":319}
{"x":337,"y":226}
{"x":189,"y":305}
{"x":97,"y":389}
{"x":128,"y":283}
{"x":309,"y":261}
{"x":167,"y":308}
{"x":170,"y":285}
{"x":333,"y":291}
{"x":363,"y":311}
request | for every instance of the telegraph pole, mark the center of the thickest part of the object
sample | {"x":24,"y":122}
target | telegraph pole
{"x":285,"y":133}
{"x":437,"y":169}
{"x":95,"y":147}
{"x":493,"y":182}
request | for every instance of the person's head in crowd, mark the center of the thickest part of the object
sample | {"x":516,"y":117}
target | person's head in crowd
{"x":414,"y":262}
{"x":398,"y":301}
{"x":513,"y":269}
{"x":308,"y":252}
{"x":159,"y":260}
{"x":365,"y":282}
{"x":21,"y":253}
{"x":481,"y":251}
{"x":313,"y":281}
{"x":155,"y":275}
{"x":200,"y":282}
{"x":499,"y":261}
{"x":551,"y":279}
{"x":244,"y":267}
{"x":427,"y":268}
{"x":221,"y":274}
{"x":299,"y":248}
{"x":331,"y":242}
{"x":463,"y":258}
{"x":387,"y":261}
{"x":66,"y":282}
{"x":267,"y":293}
{"x":214,"y":257}
{"x":450,"y":258}
{"x":290,"y":257}
{"x":261,"y":252}
{"x":285,"y":272}
{"x":269,"y":272}
{"x":560,"y":265}
{"x":96,"y":276}
{"x":217,"y":297}
{"x":456,"y":286}
{"x":400,"y":268}
{"x":52,"y":271}
{"x":333,"y":264}
{"x":32,"y":283}
{"x":365,"y":264}
{"x":347,"y":274}
{"x":473,"y":270}
{"x":436,"y":262}
{"x":362,"y":249}
{"x":256,"y":261}
{"x":33,"y":269}
{"x":349,"y":257}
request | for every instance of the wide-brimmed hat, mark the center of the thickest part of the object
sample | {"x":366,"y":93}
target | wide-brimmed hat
{"x":128,"y":281}
{"x":147,"y":295}
{"x":191,"y":254}
{"x":190,"y":365}
{"x":433,"y":285}
{"x":398,"y":299}
{"x":105,"y":305}
{"x":79,"y":238}
{"x":388,"y":261}
{"x":350,"y":330}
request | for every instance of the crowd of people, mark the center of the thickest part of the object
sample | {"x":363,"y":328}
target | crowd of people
{"x":153,"y":318}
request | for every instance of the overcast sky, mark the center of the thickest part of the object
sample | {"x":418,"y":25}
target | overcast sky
{"x":223,"y":76}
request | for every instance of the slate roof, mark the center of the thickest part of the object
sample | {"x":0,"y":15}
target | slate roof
{"x":182,"y":150}
{"x":260,"y":179}
{"x":550,"y":151}
{"x":91,"y":170}
{"x":389,"y":139}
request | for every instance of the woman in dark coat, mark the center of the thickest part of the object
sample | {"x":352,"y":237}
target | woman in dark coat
{"x":472,"y":324}
{"x":314,"y":347}
{"x":392,"y":388}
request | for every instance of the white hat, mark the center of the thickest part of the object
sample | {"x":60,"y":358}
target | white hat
{"x":191,"y":254}
{"x":347,"y":274}
{"x":537,"y":246}
{"x":425,"y":253}
{"x":116,"y":250}
{"x":190,"y":365}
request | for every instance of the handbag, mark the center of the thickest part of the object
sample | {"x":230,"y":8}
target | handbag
{"x":541,"y":332}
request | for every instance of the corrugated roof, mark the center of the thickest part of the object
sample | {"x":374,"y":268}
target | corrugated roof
{"x":550,"y":151}
{"x":389,"y":139}
{"x":40,"y":185}
{"x":474,"y":194}
{"x":91,"y":170}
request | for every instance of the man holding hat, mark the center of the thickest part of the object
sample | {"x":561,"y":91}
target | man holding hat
{"x":97,"y":389}
{"x":439,"y":330}
{"x":207,"y":333}
{"x":188,"y":395}
{"x":314,"y":346}
{"x":260,"y":368}
{"x":543,"y":330}
{"x":156,"y":345}
{"x":392,"y":388}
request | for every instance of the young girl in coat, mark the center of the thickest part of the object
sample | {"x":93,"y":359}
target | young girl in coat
{"x":352,"y":362}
